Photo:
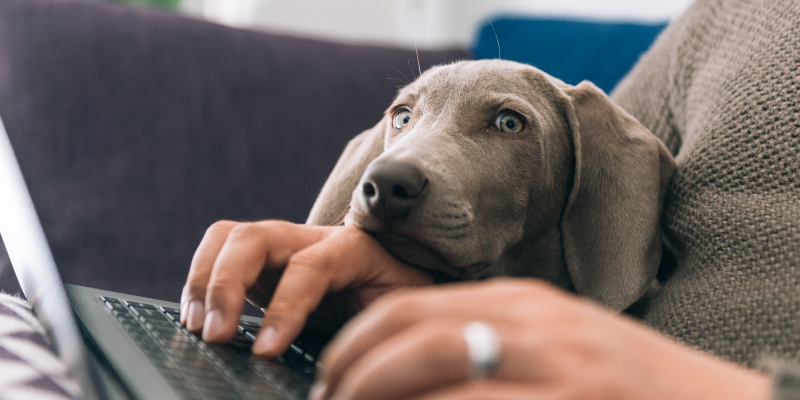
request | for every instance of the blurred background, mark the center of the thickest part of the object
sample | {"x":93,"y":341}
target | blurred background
{"x":139,"y":128}
{"x":431,"y":24}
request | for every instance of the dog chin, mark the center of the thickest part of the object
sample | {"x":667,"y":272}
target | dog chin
{"x":414,"y":252}
{"x":417,"y":254}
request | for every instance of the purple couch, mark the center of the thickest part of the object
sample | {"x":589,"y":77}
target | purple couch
{"x":137,"y":129}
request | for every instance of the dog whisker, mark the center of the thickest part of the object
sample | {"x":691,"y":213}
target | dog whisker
{"x":404,"y":75}
{"x":411,"y":69}
{"x":416,"y":51}
{"x":496,"y":38}
{"x":399,"y":80}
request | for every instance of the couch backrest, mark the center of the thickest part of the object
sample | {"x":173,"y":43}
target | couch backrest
{"x":137,"y":129}
{"x":571,"y":50}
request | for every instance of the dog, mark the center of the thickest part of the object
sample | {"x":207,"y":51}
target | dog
{"x":492,"y":167}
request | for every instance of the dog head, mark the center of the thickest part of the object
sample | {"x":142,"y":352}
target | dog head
{"x":485,"y":168}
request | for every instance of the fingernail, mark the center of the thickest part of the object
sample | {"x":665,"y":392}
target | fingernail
{"x":213,"y":325}
{"x":317,"y":391}
{"x":265,"y":341}
{"x":184,"y":316}
{"x":197,"y":313}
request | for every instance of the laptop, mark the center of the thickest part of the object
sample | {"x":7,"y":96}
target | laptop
{"x":119,"y":346}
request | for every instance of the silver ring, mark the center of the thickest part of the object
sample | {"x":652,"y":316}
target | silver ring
{"x":483,"y":349}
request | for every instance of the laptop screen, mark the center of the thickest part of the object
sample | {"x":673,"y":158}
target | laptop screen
{"x":36,"y":270}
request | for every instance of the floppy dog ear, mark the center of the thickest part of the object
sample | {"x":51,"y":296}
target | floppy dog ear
{"x":611,"y":228}
{"x":334,"y":199}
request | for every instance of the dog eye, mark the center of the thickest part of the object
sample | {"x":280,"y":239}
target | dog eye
{"x":401,"y":118}
{"x":509,"y":122}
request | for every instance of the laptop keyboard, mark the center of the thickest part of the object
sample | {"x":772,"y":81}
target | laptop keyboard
{"x":198,"y":370}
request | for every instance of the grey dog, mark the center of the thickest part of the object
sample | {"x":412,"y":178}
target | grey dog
{"x":487,"y":168}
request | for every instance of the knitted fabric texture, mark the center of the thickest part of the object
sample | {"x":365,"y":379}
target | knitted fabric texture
{"x":721,"y":88}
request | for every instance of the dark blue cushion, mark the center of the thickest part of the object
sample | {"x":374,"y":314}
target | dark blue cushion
{"x":601,"y":52}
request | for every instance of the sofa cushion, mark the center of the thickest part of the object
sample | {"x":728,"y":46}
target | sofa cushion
{"x":571,"y":50}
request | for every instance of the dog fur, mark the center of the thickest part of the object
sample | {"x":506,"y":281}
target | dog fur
{"x":575,"y":198}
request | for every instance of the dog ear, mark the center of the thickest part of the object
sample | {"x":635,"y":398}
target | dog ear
{"x":611,"y":228}
{"x":333,"y":201}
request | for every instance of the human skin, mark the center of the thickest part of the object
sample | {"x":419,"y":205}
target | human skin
{"x":407,"y":343}
{"x":286,"y":269}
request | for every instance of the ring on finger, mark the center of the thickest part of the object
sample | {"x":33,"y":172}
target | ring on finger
{"x":483,"y":349}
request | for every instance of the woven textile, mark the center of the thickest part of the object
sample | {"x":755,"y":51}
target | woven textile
{"x":721,"y":88}
{"x":28,"y":367}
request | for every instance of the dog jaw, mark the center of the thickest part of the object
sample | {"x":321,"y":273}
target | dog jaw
{"x":433,"y":237}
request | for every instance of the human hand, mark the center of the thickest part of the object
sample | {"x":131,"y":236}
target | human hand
{"x":286,"y":269}
{"x":554,"y":345}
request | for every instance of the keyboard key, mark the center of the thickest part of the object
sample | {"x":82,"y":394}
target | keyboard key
{"x":116,"y":307}
{"x":133,"y":326}
{"x":194,"y":337}
{"x":166,"y":330}
{"x":187,"y":353}
{"x":170,"y":310}
{"x":241,"y":337}
{"x":211,"y":376}
{"x":293,"y":359}
{"x":253,"y":329}
{"x":176,"y":342}
{"x":173,"y":317}
{"x":249,"y":324}
{"x":155,"y":354}
{"x":240,"y":342}
{"x":223,"y":352}
{"x":149,"y":314}
{"x":267,"y":392}
{"x":140,"y":305}
{"x":109,"y":299}
{"x":178,"y":339}
{"x":123,"y":316}
{"x":142,"y":338}
{"x":196,"y":363}
{"x":293,"y":347}
{"x":273,"y":370}
{"x":165,"y":324}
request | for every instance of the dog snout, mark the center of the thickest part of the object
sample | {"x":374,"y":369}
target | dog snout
{"x":390,"y":189}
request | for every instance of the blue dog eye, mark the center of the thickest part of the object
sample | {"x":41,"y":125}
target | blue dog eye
{"x":401,"y":118}
{"x":509,"y":122}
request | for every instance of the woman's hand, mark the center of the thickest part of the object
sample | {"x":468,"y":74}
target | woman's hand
{"x":287,"y":270}
{"x":409,"y":344}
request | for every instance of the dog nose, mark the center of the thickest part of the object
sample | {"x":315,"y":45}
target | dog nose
{"x":390,"y":189}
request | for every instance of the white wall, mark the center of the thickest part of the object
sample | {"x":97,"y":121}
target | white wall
{"x":428,"y":23}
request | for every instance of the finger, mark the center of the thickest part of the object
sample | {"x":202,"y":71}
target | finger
{"x":402,"y":309}
{"x":327,"y":265}
{"x":249,"y":248}
{"x":416,"y":360}
{"x":493,"y":389}
{"x":194,"y":291}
